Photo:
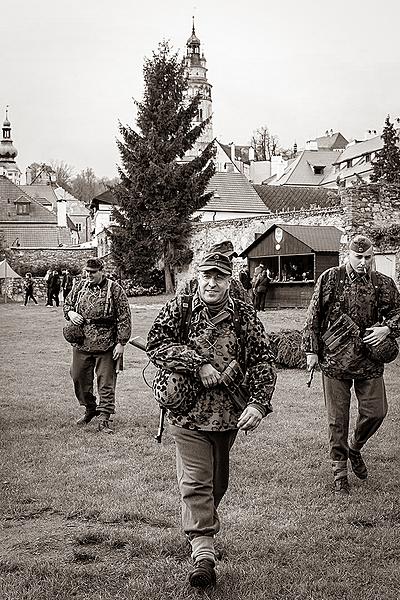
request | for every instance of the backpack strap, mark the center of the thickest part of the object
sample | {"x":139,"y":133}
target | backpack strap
{"x":107,"y":305}
{"x":186,"y":316}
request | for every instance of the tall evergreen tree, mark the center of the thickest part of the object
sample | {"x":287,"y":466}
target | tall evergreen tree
{"x":386,"y":166}
{"x":159,"y":193}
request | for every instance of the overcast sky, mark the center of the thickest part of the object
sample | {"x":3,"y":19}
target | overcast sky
{"x":71,"y":67}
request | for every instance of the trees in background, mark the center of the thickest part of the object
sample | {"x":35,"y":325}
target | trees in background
{"x":266,"y":145}
{"x":386,"y":166}
{"x":160,"y":191}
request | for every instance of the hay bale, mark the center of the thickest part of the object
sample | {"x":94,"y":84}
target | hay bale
{"x":286,"y":345}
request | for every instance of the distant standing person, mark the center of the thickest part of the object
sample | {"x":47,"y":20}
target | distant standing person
{"x":100,"y":307}
{"x":28,"y":285}
{"x":55,"y":287}
{"x":352,"y":312}
{"x":66,"y":283}
{"x":48,"y":279}
{"x":260,"y":289}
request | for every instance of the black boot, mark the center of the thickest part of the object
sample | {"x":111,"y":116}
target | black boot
{"x":203,"y":574}
{"x":357,"y":464}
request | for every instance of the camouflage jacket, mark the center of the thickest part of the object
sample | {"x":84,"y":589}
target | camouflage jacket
{"x":364,"y":306}
{"x":217,"y":345}
{"x":107,"y":319}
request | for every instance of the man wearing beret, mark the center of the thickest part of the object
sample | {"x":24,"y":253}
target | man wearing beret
{"x":221,"y":330}
{"x":368,"y":304}
{"x":101,"y":308}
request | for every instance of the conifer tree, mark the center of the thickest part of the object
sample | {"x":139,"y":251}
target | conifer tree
{"x":386,"y":166}
{"x":158,"y":192}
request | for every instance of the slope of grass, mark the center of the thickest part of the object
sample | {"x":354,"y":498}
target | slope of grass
{"x":97,"y":517}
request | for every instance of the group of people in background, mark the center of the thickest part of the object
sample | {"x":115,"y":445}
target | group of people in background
{"x":55,"y":284}
{"x":256,"y":286}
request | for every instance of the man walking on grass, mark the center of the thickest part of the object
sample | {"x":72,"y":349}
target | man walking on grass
{"x":100,"y":309}
{"x":193,"y":347}
{"x":352,"y":320}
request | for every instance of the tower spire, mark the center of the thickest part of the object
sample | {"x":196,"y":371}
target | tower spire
{"x":193,"y":30}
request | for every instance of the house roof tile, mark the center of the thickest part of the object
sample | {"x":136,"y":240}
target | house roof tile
{"x":286,"y":197}
{"x":300,"y":171}
{"x":233,"y":193}
{"x":9,"y":193}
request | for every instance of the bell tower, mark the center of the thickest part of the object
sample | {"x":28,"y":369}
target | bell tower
{"x":196,"y":69}
{"x":8,"y":153}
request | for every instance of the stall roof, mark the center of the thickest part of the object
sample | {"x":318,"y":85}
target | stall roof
{"x":317,"y":238}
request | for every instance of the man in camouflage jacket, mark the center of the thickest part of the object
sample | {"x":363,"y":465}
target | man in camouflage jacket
{"x":205,"y":433}
{"x":100,"y":306}
{"x":350,"y":364}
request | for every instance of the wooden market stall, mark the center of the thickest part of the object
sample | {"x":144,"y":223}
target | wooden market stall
{"x":295,"y":256}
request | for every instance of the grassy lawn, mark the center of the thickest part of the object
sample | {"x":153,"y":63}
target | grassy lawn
{"x":85,"y":516}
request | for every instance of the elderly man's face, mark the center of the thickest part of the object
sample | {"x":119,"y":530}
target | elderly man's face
{"x":94,"y":275}
{"x":213,"y":285}
{"x":361,"y":261}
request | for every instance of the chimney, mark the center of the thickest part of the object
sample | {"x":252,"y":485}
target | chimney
{"x":28,"y":176}
{"x":61,"y":213}
{"x":370,"y":133}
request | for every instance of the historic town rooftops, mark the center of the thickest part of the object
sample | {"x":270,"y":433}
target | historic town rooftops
{"x":331,"y":141}
{"x":43,"y":193}
{"x":292,"y":198}
{"x":233,"y":193}
{"x":309,"y":168}
{"x":10,"y":193}
{"x":106,"y":197}
{"x":359,"y":149}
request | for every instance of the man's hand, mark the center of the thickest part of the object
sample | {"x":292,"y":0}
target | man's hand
{"x":249,"y":419}
{"x":312,"y":361}
{"x":75,"y":318}
{"x":209,"y":376}
{"x":118,"y":351}
{"x":375,"y":335}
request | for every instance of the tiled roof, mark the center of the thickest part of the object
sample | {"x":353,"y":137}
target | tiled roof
{"x":9,"y":193}
{"x":300,"y":171}
{"x":106,"y":197}
{"x":318,"y":238}
{"x":336,"y":141}
{"x":289,"y":198}
{"x":360,"y":148}
{"x":35,"y":235}
{"x":233,"y":193}
{"x":43,"y":193}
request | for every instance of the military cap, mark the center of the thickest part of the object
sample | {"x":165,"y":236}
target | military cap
{"x":225,"y":247}
{"x":218,"y":261}
{"x":360,"y":244}
{"x":94,"y":263}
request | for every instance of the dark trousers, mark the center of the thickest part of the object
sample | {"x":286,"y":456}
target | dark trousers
{"x":259,"y":300}
{"x":29,"y":294}
{"x":202,"y":468}
{"x":372,"y":409}
{"x":84,"y":366}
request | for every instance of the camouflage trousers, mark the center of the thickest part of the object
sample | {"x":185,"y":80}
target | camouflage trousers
{"x":372,"y":409}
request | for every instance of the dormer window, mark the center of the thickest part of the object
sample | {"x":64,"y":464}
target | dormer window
{"x":22,"y":205}
{"x":318,"y":170}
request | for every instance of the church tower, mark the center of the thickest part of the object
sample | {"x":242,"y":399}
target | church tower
{"x":8,"y":153}
{"x":196,"y":70}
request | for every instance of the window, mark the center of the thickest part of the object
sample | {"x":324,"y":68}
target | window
{"x":367,"y":158}
{"x":22,"y":208}
{"x":318,"y":170}
{"x":349,"y":163}
{"x":79,"y":226}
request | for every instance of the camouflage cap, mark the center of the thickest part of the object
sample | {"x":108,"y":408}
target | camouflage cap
{"x":94,"y":263}
{"x":225,"y":247}
{"x":360,"y":244}
{"x":218,"y":261}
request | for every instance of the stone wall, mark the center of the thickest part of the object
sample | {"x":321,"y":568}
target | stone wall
{"x":38,"y":260}
{"x":242,"y":232}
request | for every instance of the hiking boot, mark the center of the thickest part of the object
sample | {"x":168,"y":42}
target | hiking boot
{"x":87,"y":417}
{"x":105,"y":426}
{"x":357,"y":464}
{"x":203,"y":574}
{"x":342,"y":487}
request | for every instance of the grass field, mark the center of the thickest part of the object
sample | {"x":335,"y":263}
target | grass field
{"x":86,"y":516}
